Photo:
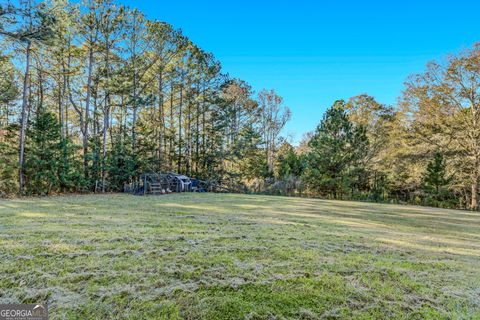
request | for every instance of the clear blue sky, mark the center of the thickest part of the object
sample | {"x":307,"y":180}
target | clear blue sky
{"x":314,"y":52}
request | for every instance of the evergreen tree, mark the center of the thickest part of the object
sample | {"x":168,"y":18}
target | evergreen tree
{"x":28,"y":24}
{"x":436,"y":175}
{"x":121,"y":168}
{"x":252,"y":162}
{"x":9,"y":159}
{"x":8,"y":90}
{"x":44,"y":154}
{"x":337,"y":148}
{"x":287,"y":162}
{"x":70,"y":167}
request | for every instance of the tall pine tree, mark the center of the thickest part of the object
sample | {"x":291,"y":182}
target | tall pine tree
{"x":337,"y":148}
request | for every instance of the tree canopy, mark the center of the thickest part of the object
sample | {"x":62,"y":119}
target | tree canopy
{"x":94,"y":93}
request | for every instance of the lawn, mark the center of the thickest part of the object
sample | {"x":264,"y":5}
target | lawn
{"x":219,"y":256}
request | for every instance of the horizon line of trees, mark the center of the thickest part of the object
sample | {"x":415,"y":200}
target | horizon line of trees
{"x":425,"y":150}
{"x":92,"y":94}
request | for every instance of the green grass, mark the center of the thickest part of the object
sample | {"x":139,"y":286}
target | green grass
{"x":215,"y":256}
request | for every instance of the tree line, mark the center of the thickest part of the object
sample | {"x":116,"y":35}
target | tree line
{"x":92,"y":94}
{"x":424,"y":150}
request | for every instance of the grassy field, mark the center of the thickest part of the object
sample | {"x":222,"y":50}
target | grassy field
{"x":212,"y":256}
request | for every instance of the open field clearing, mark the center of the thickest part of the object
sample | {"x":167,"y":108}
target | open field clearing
{"x":217,"y":256}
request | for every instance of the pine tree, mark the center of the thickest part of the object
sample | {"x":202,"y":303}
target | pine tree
{"x":44,"y":154}
{"x":337,"y":148}
{"x":8,"y":90}
{"x":9,"y":159}
{"x":287,"y":162}
{"x":251,"y":160}
{"x":28,"y":24}
{"x":436,"y":176}
{"x":121,"y":166}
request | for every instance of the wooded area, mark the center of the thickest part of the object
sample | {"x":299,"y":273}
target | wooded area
{"x":94,"y":94}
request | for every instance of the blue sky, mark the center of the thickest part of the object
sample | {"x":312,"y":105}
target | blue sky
{"x":314,"y":52}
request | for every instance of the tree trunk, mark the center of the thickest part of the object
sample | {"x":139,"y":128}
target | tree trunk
{"x":23,"y":127}
{"x":188,"y":133}
{"x":134,"y":118}
{"x":179,"y":164}
{"x":474,"y":198}
{"x":474,"y":201}
{"x":62,"y":89}
{"x":476,"y":150}
{"x":104,"y":153}
{"x":161,"y":119}
{"x":87,"y":113}
{"x":204,"y":120}
{"x":197,"y":138}
{"x":171,"y":128}
{"x":106,"y":116}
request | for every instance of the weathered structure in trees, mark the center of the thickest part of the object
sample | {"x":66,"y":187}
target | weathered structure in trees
{"x":165,"y":183}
